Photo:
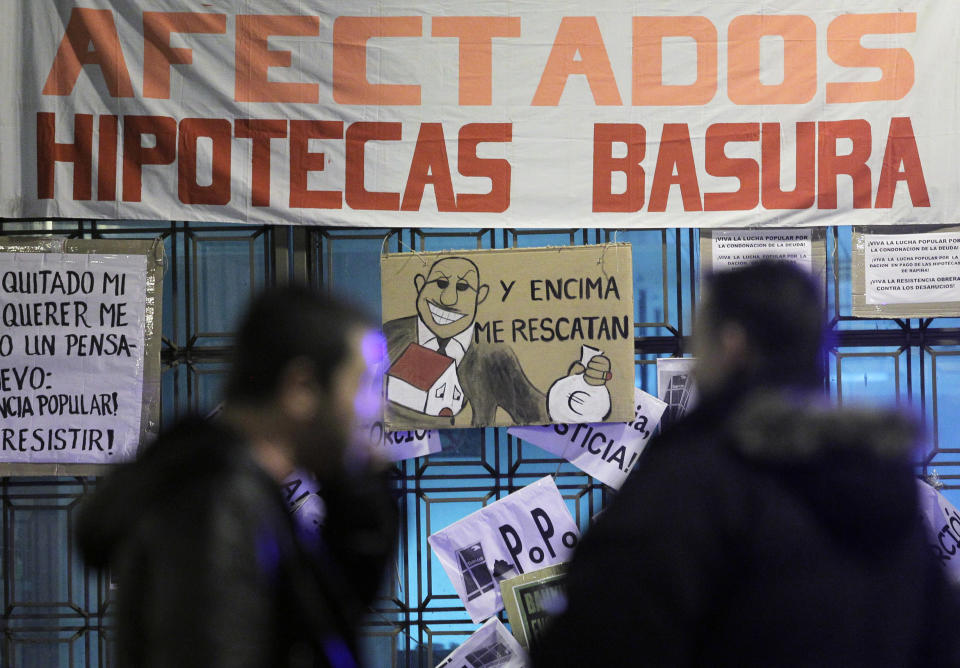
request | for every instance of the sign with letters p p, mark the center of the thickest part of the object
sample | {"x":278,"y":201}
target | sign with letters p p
{"x":525,"y":531}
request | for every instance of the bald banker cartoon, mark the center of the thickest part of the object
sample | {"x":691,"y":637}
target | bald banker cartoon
{"x":437,"y":368}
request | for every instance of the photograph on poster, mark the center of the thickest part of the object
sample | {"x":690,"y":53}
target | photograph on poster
{"x":508,"y":337}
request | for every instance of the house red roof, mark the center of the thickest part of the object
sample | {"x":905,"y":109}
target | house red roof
{"x":419,"y":366}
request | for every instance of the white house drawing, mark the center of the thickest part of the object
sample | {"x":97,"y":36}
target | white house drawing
{"x":425,"y":381}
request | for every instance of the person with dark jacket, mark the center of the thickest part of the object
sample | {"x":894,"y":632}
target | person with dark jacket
{"x":212,"y":571}
{"x":767,"y":527}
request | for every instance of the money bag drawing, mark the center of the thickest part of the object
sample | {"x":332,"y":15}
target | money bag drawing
{"x":437,"y":368}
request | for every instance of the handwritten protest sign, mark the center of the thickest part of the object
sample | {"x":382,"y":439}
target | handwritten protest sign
{"x":491,"y":646}
{"x":905,"y":274}
{"x":529,"y":529}
{"x":606,"y":450}
{"x":71,"y":356}
{"x":942,"y":522}
{"x":508,"y":337}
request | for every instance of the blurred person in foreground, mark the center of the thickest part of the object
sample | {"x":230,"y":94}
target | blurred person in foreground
{"x":767,"y":527}
{"x":212,"y":570}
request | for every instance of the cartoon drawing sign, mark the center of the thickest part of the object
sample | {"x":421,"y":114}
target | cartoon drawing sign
{"x":676,"y":386}
{"x":508,"y":337}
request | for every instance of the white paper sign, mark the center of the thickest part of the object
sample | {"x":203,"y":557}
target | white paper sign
{"x":675,"y":386}
{"x":298,"y":487}
{"x":400,"y":445}
{"x":71,"y":356}
{"x":491,"y":646}
{"x":912,"y":268}
{"x":737,"y":248}
{"x":528,"y":530}
{"x":500,"y":113}
{"x":942,"y":521}
{"x":606,"y":450}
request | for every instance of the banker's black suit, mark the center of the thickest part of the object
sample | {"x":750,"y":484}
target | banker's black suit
{"x":490,"y":376}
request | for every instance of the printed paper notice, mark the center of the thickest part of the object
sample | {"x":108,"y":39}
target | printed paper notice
{"x":912,"y":269}
{"x":71,"y":356}
{"x":736,"y":248}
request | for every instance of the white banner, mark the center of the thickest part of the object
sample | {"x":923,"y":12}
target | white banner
{"x":491,"y":646}
{"x":942,"y":522}
{"x":499,"y":113}
{"x":527,"y":530}
{"x":71,"y":356}
{"x":607,"y":451}
{"x":912,"y":268}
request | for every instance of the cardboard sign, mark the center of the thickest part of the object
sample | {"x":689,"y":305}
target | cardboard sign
{"x":675,"y":386}
{"x":509,"y":337}
{"x":528,"y":530}
{"x":607,"y":451}
{"x":942,"y":522}
{"x":491,"y":646}
{"x":531,"y":600}
{"x":71,"y":356}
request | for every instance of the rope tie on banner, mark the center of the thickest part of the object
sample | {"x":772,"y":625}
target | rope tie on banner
{"x":415,"y":252}
{"x":603,"y":254}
